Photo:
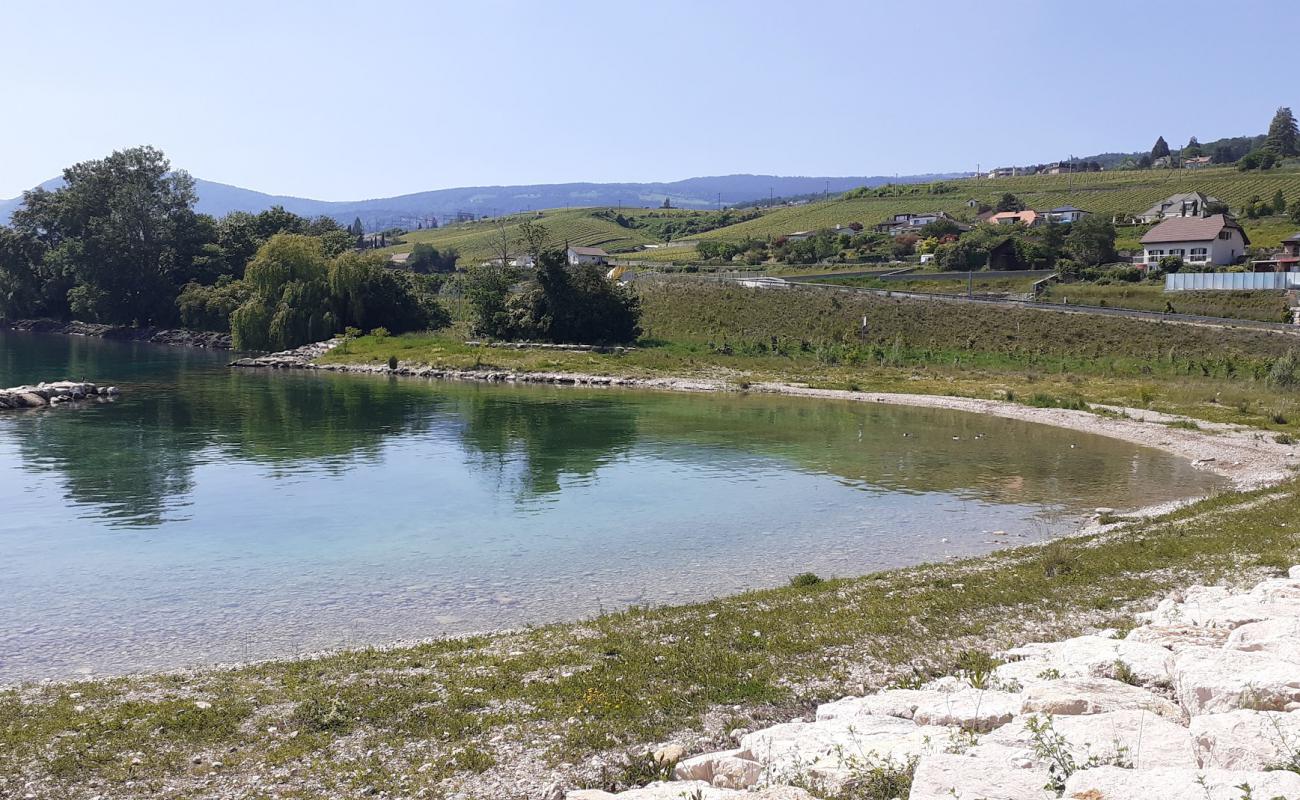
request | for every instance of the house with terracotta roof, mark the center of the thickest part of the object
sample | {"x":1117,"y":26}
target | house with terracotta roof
{"x":587,"y":255}
{"x":1217,"y":239}
{"x":1029,"y":218}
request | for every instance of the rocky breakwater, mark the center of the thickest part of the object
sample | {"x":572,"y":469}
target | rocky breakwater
{"x":1200,"y":701}
{"x":53,"y":394}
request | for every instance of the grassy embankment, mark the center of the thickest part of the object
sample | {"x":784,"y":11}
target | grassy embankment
{"x":812,"y":336}
{"x":563,"y":695}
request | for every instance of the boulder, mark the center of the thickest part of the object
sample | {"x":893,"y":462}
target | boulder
{"x":1098,"y":656}
{"x":1279,"y":637}
{"x":826,"y":752}
{"x":724,"y":769}
{"x":30,"y":400}
{"x":888,"y":703}
{"x":970,"y":709}
{"x":1213,"y":681}
{"x":1179,"y":637}
{"x":1026,"y":672}
{"x":1294,"y":573}
{"x":669,"y":754}
{"x":1250,"y":740}
{"x":944,"y":776}
{"x":1072,"y":696}
{"x":1142,"y":739}
{"x":1112,"y":783}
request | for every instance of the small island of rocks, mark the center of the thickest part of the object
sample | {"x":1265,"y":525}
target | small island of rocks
{"x":51,"y":394}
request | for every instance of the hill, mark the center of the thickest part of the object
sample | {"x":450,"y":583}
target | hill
{"x":219,"y":199}
{"x":1107,"y":193}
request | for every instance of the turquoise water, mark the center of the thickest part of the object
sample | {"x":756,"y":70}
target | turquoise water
{"x":214,"y":515}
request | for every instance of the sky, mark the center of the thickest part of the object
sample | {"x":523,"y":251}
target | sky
{"x":351,"y":100}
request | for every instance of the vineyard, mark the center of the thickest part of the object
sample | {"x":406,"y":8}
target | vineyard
{"x":1107,"y":193}
{"x":479,"y":241}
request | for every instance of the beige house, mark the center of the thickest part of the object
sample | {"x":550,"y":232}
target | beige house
{"x":1217,"y":239}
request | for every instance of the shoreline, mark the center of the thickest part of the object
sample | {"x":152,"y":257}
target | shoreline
{"x":175,"y":337}
{"x":1246,"y":457}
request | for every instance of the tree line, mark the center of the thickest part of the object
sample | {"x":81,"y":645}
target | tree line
{"x":121,"y":243}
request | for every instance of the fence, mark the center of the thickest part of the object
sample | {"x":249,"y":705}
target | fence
{"x":1230,"y":281}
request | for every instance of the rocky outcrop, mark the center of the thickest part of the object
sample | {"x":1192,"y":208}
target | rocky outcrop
{"x":172,"y":336}
{"x":297,"y":358}
{"x":1201,"y":701}
{"x":51,"y":394}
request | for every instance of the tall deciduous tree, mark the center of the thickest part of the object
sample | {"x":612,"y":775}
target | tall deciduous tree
{"x":1283,"y":137}
{"x":1192,"y":149}
{"x":1009,"y":202}
{"x":1091,"y":241}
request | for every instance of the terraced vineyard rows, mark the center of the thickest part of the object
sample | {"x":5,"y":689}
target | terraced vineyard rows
{"x":1107,"y":193}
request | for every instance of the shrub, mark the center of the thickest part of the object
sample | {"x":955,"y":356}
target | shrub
{"x":805,"y":579}
{"x":1285,"y":372}
{"x":380,"y":332}
{"x":392,"y":362}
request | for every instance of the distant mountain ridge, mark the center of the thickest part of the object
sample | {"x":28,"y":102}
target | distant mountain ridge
{"x":219,"y":199}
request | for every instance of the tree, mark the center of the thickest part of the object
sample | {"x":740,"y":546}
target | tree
{"x":502,"y":241}
{"x":1279,"y":202}
{"x":534,"y":236}
{"x":574,"y":304}
{"x":426,"y":259}
{"x":288,"y":303}
{"x":356,"y":228}
{"x":1283,"y":137}
{"x":939,"y":229}
{"x":1222,"y":155}
{"x":1192,"y":149}
{"x":122,"y":236}
{"x":1160,"y":149}
{"x":487,"y":288}
{"x":1009,"y":202}
{"x":1091,"y":241}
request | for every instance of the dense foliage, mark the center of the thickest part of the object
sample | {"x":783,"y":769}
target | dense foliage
{"x":561,"y":303}
{"x":120,"y":243}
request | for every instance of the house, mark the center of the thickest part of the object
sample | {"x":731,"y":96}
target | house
{"x":913,"y":223}
{"x":1197,"y":163}
{"x":1163,"y":162}
{"x":1187,"y":204}
{"x":1028,"y":218}
{"x":1066,"y":214}
{"x":1060,"y":168}
{"x":1286,"y":261}
{"x":972,"y":203}
{"x":1216,"y":239}
{"x":799,"y":236}
{"x":587,"y":255}
{"x":398,"y":259}
{"x":1004,"y":172}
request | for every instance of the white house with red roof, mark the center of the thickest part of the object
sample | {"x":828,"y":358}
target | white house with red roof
{"x":1217,"y":239}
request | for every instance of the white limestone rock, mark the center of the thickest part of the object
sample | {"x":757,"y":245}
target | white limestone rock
{"x":1141,"y":738}
{"x":1073,"y":696}
{"x":1294,"y":573}
{"x":1098,"y":655}
{"x":1179,"y":637}
{"x":944,"y":776}
{"x":1027,"y":672}
{"x":1210,"y":681}
{"x":724,"y":769}
{"x":827,"y":751}
{"x":970,"y":709}
{"x":1249,"y":740}
{"x":1279,"y":637}
{"x":1112,"y":783}
{"x":887,"y":703}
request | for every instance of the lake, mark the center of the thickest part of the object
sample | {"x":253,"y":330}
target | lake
{"x":216,"y":515}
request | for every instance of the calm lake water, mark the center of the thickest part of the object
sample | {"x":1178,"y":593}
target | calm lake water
{"x":213,"y":515}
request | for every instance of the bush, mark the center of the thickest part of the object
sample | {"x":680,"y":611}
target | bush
{"x":392,"y":362}
{"x":804,"y":579}
{"x":571,"y":304}
{"x":380,"y":332}
{"x":1285,"y":372}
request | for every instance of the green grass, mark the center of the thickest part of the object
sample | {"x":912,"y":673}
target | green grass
{"x":370,"y":721}
{"x":977,"y":285}
{"x":1263,"y":306}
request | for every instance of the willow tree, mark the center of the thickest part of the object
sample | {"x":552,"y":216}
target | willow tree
{"x":290,"y":303}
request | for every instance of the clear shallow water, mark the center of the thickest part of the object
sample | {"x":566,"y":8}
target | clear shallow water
{"x":216,"y":515}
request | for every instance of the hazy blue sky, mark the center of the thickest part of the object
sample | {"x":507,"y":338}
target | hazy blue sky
{"x":362,"y":99}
